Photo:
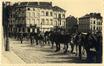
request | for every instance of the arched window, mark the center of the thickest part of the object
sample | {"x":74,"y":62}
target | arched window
{"x":34,"y":14}
{"x":55,"y":14}
{"x":42,"y":13}
{"x":42,"y":21}
{"x":94,"y":28}
{"x":47,"y":21}
{"x":47,"y":14}
{"x":63,"y":15}
{"x":51,"y":22}
{"x":50,"y":13}
{"x":28,"y":29}
{"x":94,"y":22}
{"x":59,"y":16}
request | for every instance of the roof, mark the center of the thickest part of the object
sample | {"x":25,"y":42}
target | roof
{"x":94,"y":15}
{"x":56,"y":8}
{"x":46,"y":5}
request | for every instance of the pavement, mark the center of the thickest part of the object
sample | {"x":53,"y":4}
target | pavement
{"x":9,"y":57}
{"x":29,"y":54}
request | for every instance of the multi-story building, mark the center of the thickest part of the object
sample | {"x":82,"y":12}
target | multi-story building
{"x":29,"y":16}
{"x":71,"y":24}
{"x":59,"y":16}
{"x":90,"y":22}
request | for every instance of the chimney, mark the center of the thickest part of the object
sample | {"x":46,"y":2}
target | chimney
{"x":38,"y":3}
{"x":51,"y":3}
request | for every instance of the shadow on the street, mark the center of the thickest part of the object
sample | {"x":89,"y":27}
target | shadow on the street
{"x":28,"y":45}
{"x":56,"y":54}
{"x":46,"y":50}
{"x":66,"y":60}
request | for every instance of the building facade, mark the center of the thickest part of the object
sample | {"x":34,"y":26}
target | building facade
{"x":32,"y":16}
{"x":90,"y":22}
{"x":71,"y":24}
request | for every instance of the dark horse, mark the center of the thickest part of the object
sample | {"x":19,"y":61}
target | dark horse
{"x":38,"y":37}
{"x":47,"y":37}
{"x":58,"y":38}
{"x":93,"y":41}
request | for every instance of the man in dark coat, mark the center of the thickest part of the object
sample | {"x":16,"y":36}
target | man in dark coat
{"x":99,"y":47}
{"x":21,"y":38}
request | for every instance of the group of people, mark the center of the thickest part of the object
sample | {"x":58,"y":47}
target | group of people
{"x":79,"y":40}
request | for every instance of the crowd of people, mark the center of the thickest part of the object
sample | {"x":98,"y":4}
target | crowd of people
{"x":82,"y":41}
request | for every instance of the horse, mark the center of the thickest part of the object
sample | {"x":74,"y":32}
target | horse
{"x":76,"y":41}
{"x":46,"y":37}
{"x":91,"y":41}
{"x":60,"y":38}
{"x":41,"y":38}
{"x":32,"y":38}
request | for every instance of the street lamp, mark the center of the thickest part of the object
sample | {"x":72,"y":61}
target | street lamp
{"x":6,"y":14}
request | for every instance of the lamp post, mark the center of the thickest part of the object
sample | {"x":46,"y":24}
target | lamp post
{"x":6,"y":14}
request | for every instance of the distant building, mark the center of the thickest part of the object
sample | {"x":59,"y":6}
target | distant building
{"x":29,"y":16}
{"x":90,"y":22}
{"x":59,"y":17}
{"x":71,"y":24}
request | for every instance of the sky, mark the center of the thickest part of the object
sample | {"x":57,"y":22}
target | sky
{"x":76,"y":8}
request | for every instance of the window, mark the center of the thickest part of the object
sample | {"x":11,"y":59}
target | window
{"x":63,"y":15}
{"x":42,"y":13}
{"x":47,"y":13}
{"x":94,"y":28}
{"x":55,"y":15}
{"x":23,"y":29}
{"x":28,"y":21}
{"x":28,"y":29}
{"x":51,"y":21}
{"x":28,"y":14}
{"x":43,"y":21}
{"x":97,"y":28}
{"x":90,"y":22}
{"x":34,"y":14}
{"x":28,"y":8}
{"x":94,"y":22}
{"x":47,"y":22}
{"x":38,"y":22}
{"x":100,"y":23}
{"x":91,"y":27}
{"x":33,"y":9}
{"x":50,"y":13}
{"x":34,"y":21}
{"x":38,"y":14}
{"x":59,"y":16}
{"x":56,"y":23}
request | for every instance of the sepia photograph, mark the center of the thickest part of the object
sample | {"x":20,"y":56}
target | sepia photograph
{"x":52,"y":31}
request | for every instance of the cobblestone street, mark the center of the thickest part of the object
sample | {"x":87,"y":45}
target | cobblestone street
{"x":38,"y":54}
